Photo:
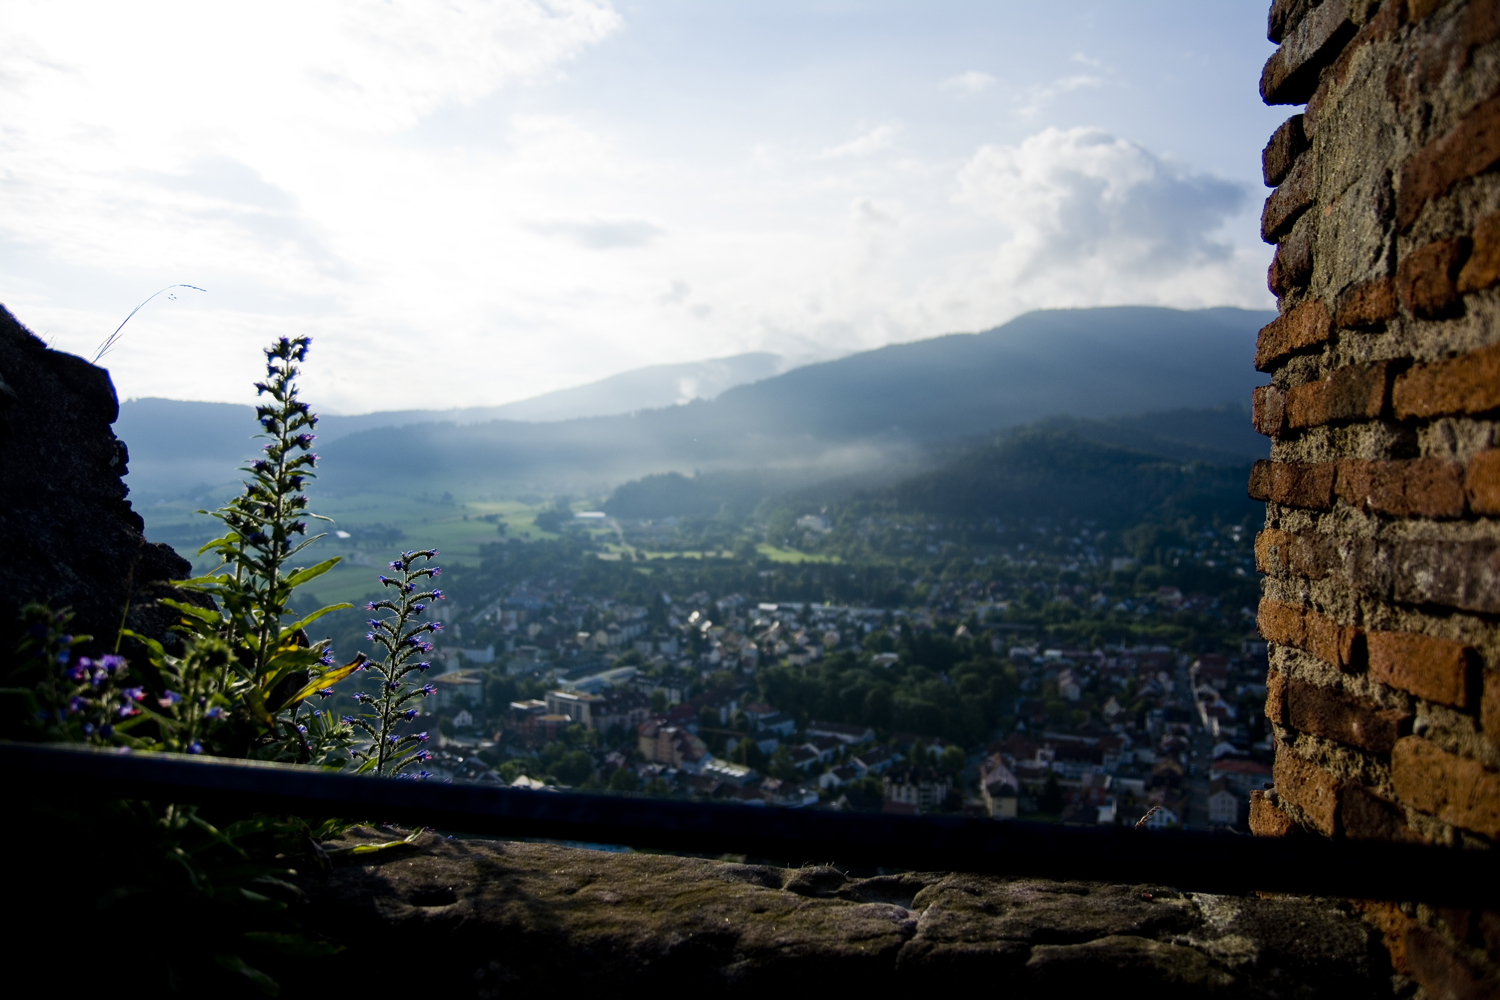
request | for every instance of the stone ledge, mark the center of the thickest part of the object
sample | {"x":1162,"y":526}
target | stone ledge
{"x":489,"y":916}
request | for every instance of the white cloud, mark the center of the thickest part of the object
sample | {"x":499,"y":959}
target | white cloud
{"x":873,"y":141}
{"x":1035,"y":98}
{"x":1105,"y":217}
{"x":602,"y":234}
{"x":970,"y":83}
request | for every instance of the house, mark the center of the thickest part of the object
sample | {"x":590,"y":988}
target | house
{"x":1223,"y":803}
{"x":455,"y":684}
{"x":805,"y":758}
{"x":728,"y":772}
{"x":842,"y":732}
{"x":1163,"y":818}
{"x":577,"y":706}
{"x":911,"y":789}
{"x":623,"y":708}
{"x":463,"y":720}
{"x":826,"y":747}
{"x":876,"y":760}
{"x":779,"y":723}
{"x":1245,"y":776}
{"x":673,"y":746}
{"x":1000,"y":787}
{"x":529,"y":724}
{"x":838,"y":777}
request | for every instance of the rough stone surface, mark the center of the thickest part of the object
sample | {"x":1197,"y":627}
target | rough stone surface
{"x":492,"y":917}
{"x":65,"y":526}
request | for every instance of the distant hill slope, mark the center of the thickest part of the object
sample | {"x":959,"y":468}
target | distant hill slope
{"x":833,"y":418}
{"x":1059,"y":468}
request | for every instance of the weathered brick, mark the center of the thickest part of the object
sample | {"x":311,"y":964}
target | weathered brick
{"x":1427,"y":279}
{"x":1267,"y":410}
{"x":1305,"y":326}
{"x":1368,"y":304}
{"x":1305,"y":629}
{"x":1308,"y":787}
{"x":1291,"y":267}
{"x":1386,"y":917}
{"x":1323,"y":711}
{"x":1489,"y":705}
{"x":1426,"y":666}
{"x":1482,"y":269}
{"x":1290,"y":200}
{"x":1441,"y":970}
{"x":1276,"y":696}
{"x":1463,"y":574}
{"x":1469,"y":383}
{"x":1287,"y":143}
{"x":1482,"y":482}
{"x":1265,"y":819}
{"x":1363,"y":815}
{"x":1291,"y":74}
{"x":1455,"y":789}
{"x":1471,"y":147}
{"x":1295,"y":484}
{"x":1283,"y":17}
{"x":1283,"y":553}
{"x":1417,"y":487}
{"x":1354,"y":392}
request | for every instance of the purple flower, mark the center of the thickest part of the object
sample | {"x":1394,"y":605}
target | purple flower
{"x":423,"y":667}
{"x":295,"y":482}
{"x":423,"y":755}
{"x":88,"y":729}
{"x":421,"y":737}
{"x":369,"y":636}
{"x":327,"y":658}
{"x":435,"y":626}
{"x":214,"y":713}
{"x":195,"y":747}
{"x":384,"y":580}
{"x":325,"y":693}
{"x":126,"y":711}
{"x":298,"y":527}
{"x":427,"y":689}
{"x":79,"y":671}
{"x":347,"y":720}
{"x":77,"y":705}
{"x":419,"y":608}
{"x":373,"y":622}
{"x":437,"y":595}
{"x":168,"y":699}
{"x":392,"y":685}
{"x":361,"y":697}
{"x":409,"y":714}
{"x":370,"y":605}
{"x":134,"y":694}
{"x":423,"y":775}
{"x":397,"y":565}
{"x":301,"y":729}
{"x":111,"y":662}
{"x":393,"y":740}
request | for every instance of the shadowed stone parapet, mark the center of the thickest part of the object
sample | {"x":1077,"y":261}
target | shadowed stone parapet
{"x":1381,"y":547}
{"x":491,"y":915}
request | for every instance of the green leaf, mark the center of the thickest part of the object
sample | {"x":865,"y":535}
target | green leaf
{"x":300,"y":577}
{"x":157,"y":653}
{"x":405,"y":841}
{"x":230,"y":539}
{"x":202,"y":614}
{"x":296,"y":627}
{"x":259,"y":979}
{"x":331,"y":677}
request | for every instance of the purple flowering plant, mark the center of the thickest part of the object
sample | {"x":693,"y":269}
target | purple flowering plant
{"x":402,"y":633}
{"x":276,"y":667}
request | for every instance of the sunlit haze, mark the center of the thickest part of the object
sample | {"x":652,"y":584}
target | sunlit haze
{"x":469,"y":203}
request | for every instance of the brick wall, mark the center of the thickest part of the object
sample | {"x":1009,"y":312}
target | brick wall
{"x":1381,"y":550}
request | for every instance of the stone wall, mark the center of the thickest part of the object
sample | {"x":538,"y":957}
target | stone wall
{"x":68,"y":535}
{"x":1382,"y":541}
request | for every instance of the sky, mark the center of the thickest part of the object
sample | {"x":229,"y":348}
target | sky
{"x":468,"y":203}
